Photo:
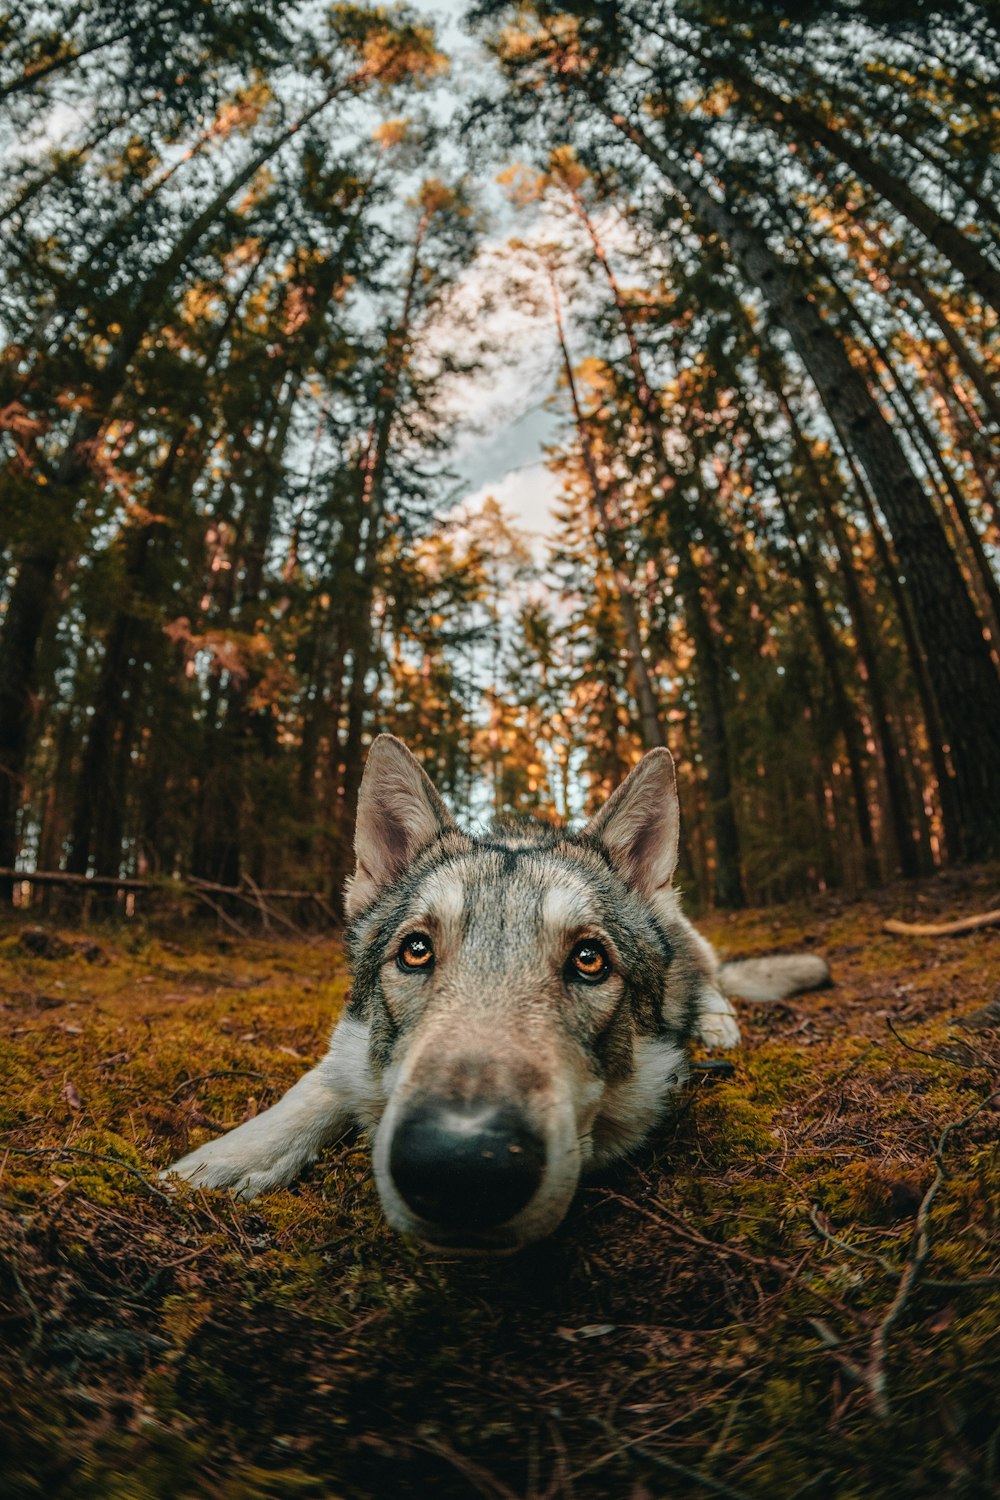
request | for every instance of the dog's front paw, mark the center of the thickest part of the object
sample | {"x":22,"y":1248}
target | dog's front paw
{"x":227,"y":1163}
{"x":717,"y":1024}
{"x":718,"y":1030}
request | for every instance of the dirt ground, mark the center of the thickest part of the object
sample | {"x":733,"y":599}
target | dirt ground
{"x":794,"y":1290}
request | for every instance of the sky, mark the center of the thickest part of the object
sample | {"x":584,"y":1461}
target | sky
{"x":499,"y":452}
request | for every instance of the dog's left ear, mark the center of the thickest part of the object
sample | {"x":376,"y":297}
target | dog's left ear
{"x":639,"y":825}
{"x":399,"y":813}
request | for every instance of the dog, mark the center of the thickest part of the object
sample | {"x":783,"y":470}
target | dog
{"x":522,"y":1007}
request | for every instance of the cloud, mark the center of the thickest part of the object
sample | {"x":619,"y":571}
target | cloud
{"x":526,"y":494}
{"x":501,"y":309}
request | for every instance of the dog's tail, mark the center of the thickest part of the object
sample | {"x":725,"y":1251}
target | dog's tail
{"x":775,"y":978}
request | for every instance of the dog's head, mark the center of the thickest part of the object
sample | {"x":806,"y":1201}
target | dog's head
{"x":528,"y":995}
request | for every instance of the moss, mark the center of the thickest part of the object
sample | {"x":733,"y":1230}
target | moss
{"x":688,"y":1318}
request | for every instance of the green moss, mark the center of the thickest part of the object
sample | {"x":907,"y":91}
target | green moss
{"x":688,"y":1312}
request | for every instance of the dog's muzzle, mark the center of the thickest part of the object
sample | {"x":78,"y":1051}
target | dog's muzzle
{"x":466,"y":1166}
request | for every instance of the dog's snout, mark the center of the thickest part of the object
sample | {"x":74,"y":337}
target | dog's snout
{"x":466,"y":1165}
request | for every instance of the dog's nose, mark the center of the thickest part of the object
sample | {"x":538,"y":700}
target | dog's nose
{"x":466,"y":1165}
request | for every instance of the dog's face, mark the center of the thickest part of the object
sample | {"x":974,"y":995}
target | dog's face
{"x":527,"y":997}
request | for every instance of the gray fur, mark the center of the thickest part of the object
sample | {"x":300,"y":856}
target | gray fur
{"x":499,"y":1016}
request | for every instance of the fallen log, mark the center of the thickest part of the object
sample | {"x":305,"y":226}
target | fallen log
{"x":192,"y":884}
{"x":942,"y":929}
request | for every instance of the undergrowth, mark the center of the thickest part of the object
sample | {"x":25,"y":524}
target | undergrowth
{"x":794,"y":1290}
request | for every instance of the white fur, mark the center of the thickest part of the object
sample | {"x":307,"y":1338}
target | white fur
{"x":444,"y":895}
{"x":566,"y":906}
{"x":271,"y":1150}
{"x":629,"y":1110}
{"x":717,"y":1023}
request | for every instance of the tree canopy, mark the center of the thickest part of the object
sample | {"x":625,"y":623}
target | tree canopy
{"x":246,"y":257}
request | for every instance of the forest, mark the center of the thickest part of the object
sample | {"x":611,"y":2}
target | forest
{"x":542,"y":384}
{"x":254,"y":259}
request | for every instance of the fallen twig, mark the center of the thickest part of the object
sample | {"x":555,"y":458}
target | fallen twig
{"x":832,"y":1239}
{"x":190,"y":1083}
{"x":114,"y":1161}
{"x":875,"y":1375}
{"x":921,"y":1051}
{"x":668,"y":1220}
{"x":167,"y":883}
{"x":942,"y":929}
{"x":222,"y":915}
{"x":674,"y":1466}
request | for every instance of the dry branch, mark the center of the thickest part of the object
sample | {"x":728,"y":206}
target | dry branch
{"x":191,"y":883}
{"x":114,"y":1161}
{"x":941,"y":929}
{"x":206,"y":891}
{"x":875,"y":1373}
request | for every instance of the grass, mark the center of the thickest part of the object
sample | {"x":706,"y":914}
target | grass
{"x":793,"y":1291}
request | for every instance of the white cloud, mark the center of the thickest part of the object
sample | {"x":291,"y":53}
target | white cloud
{"x":526,"y":494}
{"x":502,"y":307}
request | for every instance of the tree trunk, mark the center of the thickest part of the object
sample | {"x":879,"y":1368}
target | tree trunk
{"x":28,"y":609}
{"x":956,"y":247}
{"x":846,"y":717}
{"x":372,"y":508}
{"x":899,"y":811}
{"x":651,"y":728}
{"x":915,"y":657}
{"x":98,"y":816}
{"x":966,"y":684}
{"x":970,"y":367}
{"x":713,"y":734}
{"x":984,"y":579}
{"x":729,"y":888}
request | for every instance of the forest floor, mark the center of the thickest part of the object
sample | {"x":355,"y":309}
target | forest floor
{"x":793,"y":1291}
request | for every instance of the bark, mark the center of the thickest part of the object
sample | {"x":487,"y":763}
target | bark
{"x":713,"y":734}
{"x":99,"y":793}
{"x":99,"y":808}
{"x":316,"y":725}
{"x":222,"y":834}
{"x":965,"y":682}
{"x":372,"y":509}
{"x":651,"y":727}
{"x":956,"y":247}
{"x":27,"y":612}
{"x":918,"y":665}
{"x":900,"y":815}
{"x":850,"y":726}
{"x":966,"y":432}
{"x":984,"y":579}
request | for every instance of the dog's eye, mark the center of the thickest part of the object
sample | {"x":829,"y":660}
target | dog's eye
{"x":416,"y":952}
{"x":589,"y":961}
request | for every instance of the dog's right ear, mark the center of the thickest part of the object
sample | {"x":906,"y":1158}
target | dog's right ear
{"x":639,"y":825}
{"x":399,"y":812}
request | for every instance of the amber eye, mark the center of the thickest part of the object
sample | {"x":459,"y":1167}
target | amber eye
{"x":416,"y":952}
{"x":589,"y":961}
